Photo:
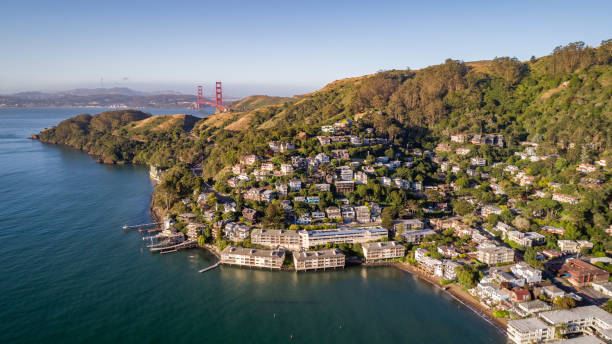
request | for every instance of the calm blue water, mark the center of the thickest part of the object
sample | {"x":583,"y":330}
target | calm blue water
{"x":71,"y":275}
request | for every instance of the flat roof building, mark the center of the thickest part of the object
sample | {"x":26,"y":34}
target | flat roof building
{"x":383,"y":250}
{"x":530,"y":330}
{"x":346,"y":235}
{"x":495,"y":255}
{"x":314,"y":260}
{"x":276,"y":238}
{"x":254,"y":258}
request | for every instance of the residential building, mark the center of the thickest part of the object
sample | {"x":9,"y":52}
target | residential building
{"x":333,"y":213}
{"x":552,"y":292}
{"x":417,"y":236}
{"x":363,"y":214}
{"x":341,"y":154}
{"x":236,"y":231}
{"x":361,"y":177}
{"x":495,"y":255}
{"x":532,"y":307}
{"x":317,"y":215}
{"x":407,"y":225}
{"x":344,"y":186}
{"x":346,"y":174}
{"x":586,"y":168}
{"x":580,"y":319}
{"x":529,"y":330}
{"x":255,"y":258}
{"x":528,"y":273}
{"x":322,"y":158}
{"x":462,"y":151}
{"x":342,"y":236}
{"x":489,"y":209}
{"x":322,"y":187}
{"x":286,"y":169}
{"x":563,"y":198}
{"x":574,"y":246}
{"x":383,"y":250}
{"x":281,"y":189}
{"x":276,"y":238}
{"x":249,"y":159}
{"x":528,"y":239}
{"x":603,"y":287}
{"x":249,"y":214}
{"x":581,"y":273}
{"x":459,"y":138}
{"x":554,"y":230}
{"x":295,"y":185}
{"x":348,"y":213}
{"x":478,"y":162}
{"x":314,"y":260}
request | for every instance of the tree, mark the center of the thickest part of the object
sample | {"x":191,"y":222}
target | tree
{"x":566,"y":302}
{"x":462,"y":207}
{"x":531,"y":257}
{"x":389,"y":214}
{"x":467,"y":275}
{"x":274,"y":216}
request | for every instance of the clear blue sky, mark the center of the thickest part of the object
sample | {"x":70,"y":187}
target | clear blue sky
{"x":270,"y":47}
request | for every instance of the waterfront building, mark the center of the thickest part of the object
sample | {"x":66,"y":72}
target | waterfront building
{"x":580,"y":319}
{"x":276,"y":238}
{"x":313,"y":260}
{"x":495,"y":255}
{"x":346,"y":235}
{"x":254,"y":258}
{"x":383,"y":250}
{"x":236,"y":231}
{"x":532,"y":307}
{"x":529,"y":330}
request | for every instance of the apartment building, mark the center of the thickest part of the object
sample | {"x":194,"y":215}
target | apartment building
{"x":254,"y":258}
{"x":383,"y":250}
{"x":314,"y":260}
{"x":276,"y":238}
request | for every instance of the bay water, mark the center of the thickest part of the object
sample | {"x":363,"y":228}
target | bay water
{"x":70,"y":274}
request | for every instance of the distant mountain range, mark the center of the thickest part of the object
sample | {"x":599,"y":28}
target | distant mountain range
{"x":104,"y":97}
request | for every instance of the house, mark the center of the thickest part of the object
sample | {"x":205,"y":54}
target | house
{"x":324,"y":140}
{"x":355,"y":141}
{"x":586,"y":168}
{"x":602,"y":162}
{"x":459,"y":138}
{"x":462,"y":151}
{"x":249,"y":214}
{"x":362,"y":214}
{"x":442,"y":147}
{"x":361,"y":177}
{"x":249,"y":159}
{"x":304,"y":219}
{"x":581,"y":273}
{"x":529,"y":330}
{"x":348,"y":213}
{"x":295,"y":185}
{"x":281,"y":189}
{"x":322,"y":158}
{"x":532,"y":307}
{"x":322,"y":187}
{"x":603,"y":287}
{"x":194,"y":229}
{"x":239,"y":169}
{"x":328,"y":129}
{"x":478,"y":162}
{"x":563,"y":198}
{"x":333,"y":213}
{"x":503,"y":228}
{"x":346,"y":174}
{"x":486,"y":289}
{"x":448,"y":251}
{"x":236,"y":231}
{"x":314,"y":260}
{"x":344,"y":186}
{"x":519,"y":295}
{"x":489,"y":209}
{"x":317,"y":215}
{"x":341,"y":154}
{"x":313,"y":199}
{"x":255,"y":258}
{"x":526,"y":272}
{"x":383,"y":250}
{"x":554,"y":230}
{"x":286,"y":169}
{"x":573,"y":246}
{"x":495,"y":255}
{"x":386,"y":181}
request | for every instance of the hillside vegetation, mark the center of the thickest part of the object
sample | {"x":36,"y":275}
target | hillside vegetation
{"x":257,"y":101}
{"x":561,"y":101}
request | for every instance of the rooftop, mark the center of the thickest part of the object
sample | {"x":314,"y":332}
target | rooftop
{"x":578,"y":313}
{"x":308,"y":255}
{"x":527,"y":325}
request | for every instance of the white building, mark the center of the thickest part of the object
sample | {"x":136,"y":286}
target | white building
{"x":529,"y":330}
{"x":528,"y":273}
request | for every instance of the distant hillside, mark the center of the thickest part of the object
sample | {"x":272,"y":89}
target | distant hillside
{"x":257,"y":101}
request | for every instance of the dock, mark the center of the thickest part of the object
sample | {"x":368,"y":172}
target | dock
{"x":210,"y":267}
{"x":126,"y":227}
{"x":175,"y":247}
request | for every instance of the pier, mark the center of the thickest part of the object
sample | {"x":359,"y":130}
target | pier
{"x":210,"y":267}
{"x":175,"y":247}
{"x":126,"y":227}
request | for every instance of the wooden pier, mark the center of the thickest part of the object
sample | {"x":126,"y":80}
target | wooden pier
{"x":210,"y":267}
{"x":175,"y":247}
{"x":126,"y":227}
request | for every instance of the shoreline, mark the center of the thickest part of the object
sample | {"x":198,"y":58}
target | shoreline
{"x":458,"y":295}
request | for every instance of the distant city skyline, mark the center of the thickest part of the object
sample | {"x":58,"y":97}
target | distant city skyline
{"x":272,"y":47}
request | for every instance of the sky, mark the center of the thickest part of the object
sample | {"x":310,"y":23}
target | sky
{"x":270,"y":47}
